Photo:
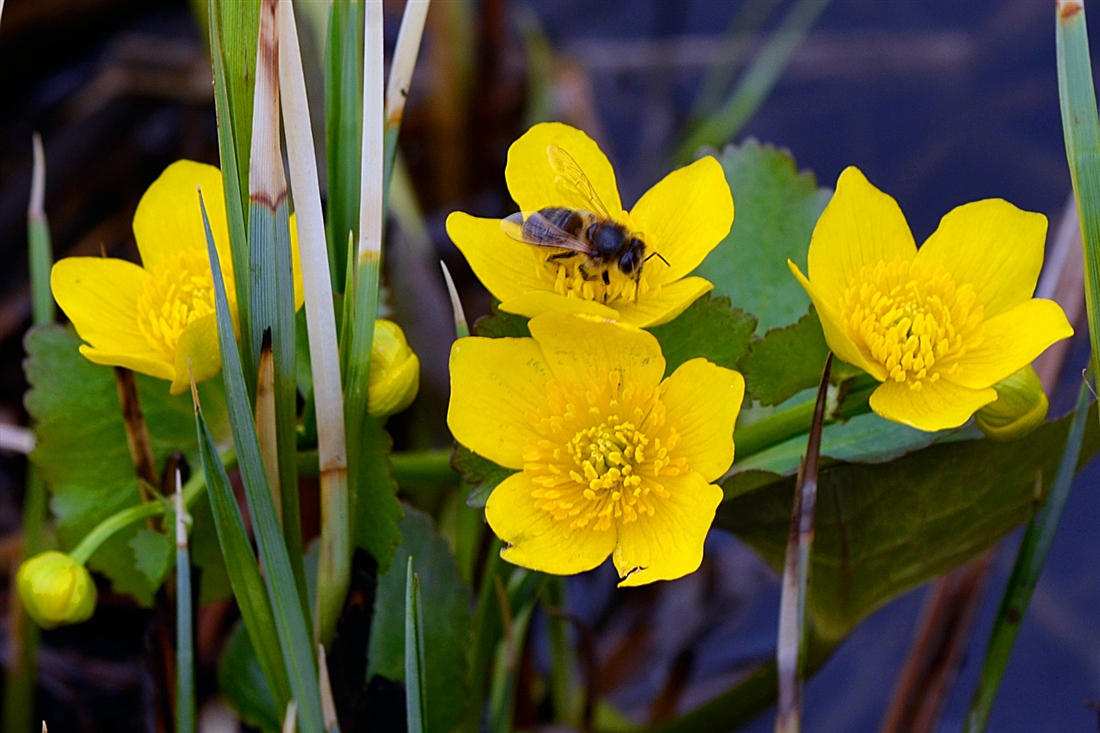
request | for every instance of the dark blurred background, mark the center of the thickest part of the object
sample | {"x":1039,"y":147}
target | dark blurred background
{"x":939,"y":102}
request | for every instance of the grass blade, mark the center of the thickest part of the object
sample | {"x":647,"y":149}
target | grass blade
{"x":343,"y":130}
{"x":282,"y":588}
{"x":792,"y":647}
{"x":38,"y":241}
{"x":401,"y":71}
{"x":334,"y":564}
{"x":1030,"y":560}
{"x":272,"y":292}
{"x":240,"y":564}
{"x":238,"y":25}
{"x":21,"y":673}
{"x":382,"y":536}
{"x":185,"y":638}
{"x":416,"y":709}
{"x":234,"y":198}
{"x":757,"y":83}
{"x":1082,"y":133}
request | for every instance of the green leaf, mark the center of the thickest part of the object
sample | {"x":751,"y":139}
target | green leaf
{"x":378,"y":511}
{"x":786,"y":361}
{"x":445,"y":602}
{"x":82,"y":453}
{"x":499,"y":324}
{"x":152,"y":554}
{"x":242,"y":682}
{"x":777,"y":208}
{"x":481,"y":474}
{"x":343,"y":131}
{"x":710,"y":328}
{"x":865,"y":438}
{"x":883,"y":529}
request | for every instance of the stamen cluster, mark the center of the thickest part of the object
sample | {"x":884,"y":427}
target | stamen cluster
{"x":178,"y":293}
{"x":912,"y":319}
{"x":603,"y":450}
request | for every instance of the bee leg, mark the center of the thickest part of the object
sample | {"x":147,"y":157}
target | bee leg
{"x":606,"y":277}
{"x":561,"y":256}
{"x":585,"y":274}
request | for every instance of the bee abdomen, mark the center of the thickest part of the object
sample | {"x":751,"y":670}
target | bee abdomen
{"x":567,"y":220}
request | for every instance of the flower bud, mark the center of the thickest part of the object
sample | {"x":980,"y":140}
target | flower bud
{"x":56,"y":590}
{"x":1020,"y":407}
{"x":394,"y":371}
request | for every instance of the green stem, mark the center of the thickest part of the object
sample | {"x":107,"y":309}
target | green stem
{"x":124,"y":518}
{"x":185,"y":637}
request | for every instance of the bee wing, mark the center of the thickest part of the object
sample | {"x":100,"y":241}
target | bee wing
{"x":572,"y":179}
{"x":534,"y":228}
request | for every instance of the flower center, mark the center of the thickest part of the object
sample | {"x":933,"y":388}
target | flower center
{"x":580,"y":277}
{"x":179,"y":292}
{"x":603,"y":450}
{"x":915,"y":321}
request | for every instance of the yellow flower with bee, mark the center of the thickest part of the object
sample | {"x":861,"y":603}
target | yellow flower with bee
{"x":574,"y":248}
{"x":612,"y":457}
{"x":158,"y":318}
{"x":938,"y":326}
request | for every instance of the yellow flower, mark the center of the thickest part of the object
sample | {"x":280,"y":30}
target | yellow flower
{"x":56,"y":590}
{"x":394,"y":371}
{"x":681,"y":219}
{"x":157,"y":317}
{"x":939,"y":326}
{"x":611,"y":459}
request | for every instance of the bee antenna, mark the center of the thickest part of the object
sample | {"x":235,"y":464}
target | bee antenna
{"x":659,"y":256}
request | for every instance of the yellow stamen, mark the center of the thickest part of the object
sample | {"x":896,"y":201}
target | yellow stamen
{"x":177,"y":293}
{"x":603,"y":451}
{"x":915,"y":321}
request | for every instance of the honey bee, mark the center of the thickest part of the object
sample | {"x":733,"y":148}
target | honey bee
{"x":590,"y":232}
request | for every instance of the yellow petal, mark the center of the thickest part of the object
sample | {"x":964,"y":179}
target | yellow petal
{"x":495,"y":383}
{"x":937,"y":405}
{"x":100,"y":296}
{"x":150,"y":364}
{"x":861,"y":226}
{"x":1011,"y":341}
{"x":669,"y":544}
{"x":685,"y":216}
{"x":840,"y":343}
{"x":538,"y":541}
{"x":671,"y":300}
{"x":536,"y":302}
{"x":506,"y":267}
{"x":585,"y":349}
{"x":993,"y":246}
{"x":703,"y":400}
{"x":169,"y":219}
{"x":533,"y":182}
{"x":197,"y":353}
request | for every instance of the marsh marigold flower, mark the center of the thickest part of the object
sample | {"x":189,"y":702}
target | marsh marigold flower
{"x":679,"y":221}
{"x":939,"y":326}
{"x":611,"y":458}
{"x":157,"y":317}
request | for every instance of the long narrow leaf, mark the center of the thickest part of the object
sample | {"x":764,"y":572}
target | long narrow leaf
{"x":1030,"y":560}
{"x":401,"y":71}
{"x":237,"y":24}
{"x":241,"y":566}
{"x":416,"y":708}
{"x":185,"y":637}
{"x":282,"y":589}
{"x":234,"y":198}
{"x":343,"y":130}
{"x":758,"y":81}
{"x":334,"y":564}
{"x":1082,"y":133}
{"x":272,"y":289}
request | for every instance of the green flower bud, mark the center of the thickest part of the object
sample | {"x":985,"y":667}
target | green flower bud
{"x":1020,"y":407}
{"x":394,"y":371}
{"x":56,"y":590}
